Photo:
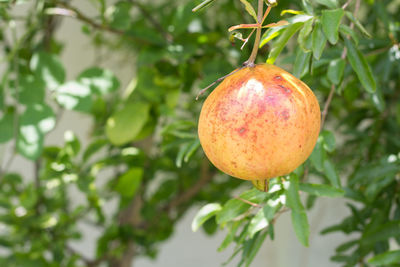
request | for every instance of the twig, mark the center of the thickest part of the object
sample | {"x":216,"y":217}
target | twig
{"x":194,"y":190}
{"x":69,"y":11}
{"x":327,"y":104}
{"x":157,"y":25}
{"x":248,"y":202}
{"x":343,"y":56}
{"x":202,"y":91}
{"x":346,"y":4}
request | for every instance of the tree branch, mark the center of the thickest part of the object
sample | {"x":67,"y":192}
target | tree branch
{"x":69,"y":11}
{"x":343,"y":56}
{"x":194,"y":190}
{"x":156,"y":24}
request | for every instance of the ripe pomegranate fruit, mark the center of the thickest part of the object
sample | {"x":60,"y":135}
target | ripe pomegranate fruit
{"x":260,"y":122}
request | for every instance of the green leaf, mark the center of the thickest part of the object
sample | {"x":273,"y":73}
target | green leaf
{"x":358,"y":24}
{"x":93,"y":148}
{"x":129,"y":182}
{"x":279,"y":44}
{"x":386,"y":258}
{"x":35,"y":122}
{"x":336,"y":70}
{"x":330,"y":173}
{"x":347,"y":31}
{"x":72,"y":144}
{"x":7,"y":125}
{"x":360,"y":66}
{"x":292,"y":193}
{"x":329,"y":140}
{"x":232,"y":229}
{"x":381,"y":233}
{"x":330,"y":20}
{"x":48,"y":67}
{"x":321,"y":190}
{"x":75,"y":96}
{"x":300,"y":67}
{"x":318,"y":155}
{"x":249,"y":9}
{"x":236,"y":207}
{"x":274,"y":32}
{"x":328,"y":3}
{"x":301,"y":226}
{"x":31,"y":90}
{"x":257,"y":223}
{"x":202,"y":5}
{"x":299,"y":216}
{"x":120,"y":16}
{"x":192,"y":148}
{"x":100,"y":81}
{"x":125,"y":124}
{"x":304,"y":33}
{"x":204,"y":214}
{"x":346,"y":246}
{"x":254,"y":247}
{"x":318,"y":41}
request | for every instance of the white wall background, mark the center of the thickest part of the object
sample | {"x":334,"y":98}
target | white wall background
{"x":185,"y":248}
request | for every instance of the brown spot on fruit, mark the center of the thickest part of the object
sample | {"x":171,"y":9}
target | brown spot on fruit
{"x":285,"y":115}
{"x":284,"y":89}
{"x":242,"y":131}
{"x":272,"y":117}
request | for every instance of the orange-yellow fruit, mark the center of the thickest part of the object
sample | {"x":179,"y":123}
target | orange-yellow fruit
{"x":261,"y":122}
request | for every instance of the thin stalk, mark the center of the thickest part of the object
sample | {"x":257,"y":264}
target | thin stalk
{"x":253,"y":55}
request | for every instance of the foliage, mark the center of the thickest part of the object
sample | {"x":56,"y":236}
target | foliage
{"x":144,"y":147}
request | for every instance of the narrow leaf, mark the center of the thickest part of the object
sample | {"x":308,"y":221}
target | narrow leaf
{"x":330,"y":20}
{"x":278,"y":45}
{"x":358,"y":24}
{"x":383,"y":232}
{"x":204,"y":214}
{"x":292,"y":193}
{"x":257,"y":223}
{"x":317,"y":156}
{"x":336,"y":70}
{"x":318,"y":41}
{"x":249,"y":9}
{"x":291,"y":11}
{"x":255,"y":247}
{"x":328,"y":3}
{"x":322,"y":190}
{"x":301,"y":226}
{"x":360,"y":66}
{"x":347,"y":31}
{"x":329,"y":140}
{"x":304,"y":33}
{"x":202,"y":5}
{"x":300,"y":67}
{"x":331,"y":174}
{"x":129,"y":182}
{"x":389,"y":257}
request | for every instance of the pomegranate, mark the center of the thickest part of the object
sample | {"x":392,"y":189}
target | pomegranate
{"x":260,"y":122}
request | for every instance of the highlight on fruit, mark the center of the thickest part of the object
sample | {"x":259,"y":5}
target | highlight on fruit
{"x":260,"y":122}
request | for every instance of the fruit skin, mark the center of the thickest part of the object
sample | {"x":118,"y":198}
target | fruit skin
{"x":260,"y":122}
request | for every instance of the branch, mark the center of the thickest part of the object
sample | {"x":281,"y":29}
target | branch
{"x":69,"y":11}
{"x":343,"y":56}
{"x":202,"y":91}
{"x":194,"y":190}
{"x":157,"y":25}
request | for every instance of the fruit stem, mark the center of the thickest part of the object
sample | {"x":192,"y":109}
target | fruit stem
{"x":261,"y":185}
{"x":253,"y":55}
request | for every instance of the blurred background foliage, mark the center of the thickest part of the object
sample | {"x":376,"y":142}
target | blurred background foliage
{"x":144,"y":143}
